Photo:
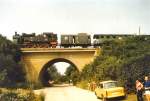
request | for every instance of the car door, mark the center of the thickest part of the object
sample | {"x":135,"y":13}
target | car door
{"x":100,"y":90}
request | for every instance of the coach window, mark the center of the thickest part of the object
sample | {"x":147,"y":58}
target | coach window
{"x":102,"y":36}
{"x":108,"y":36}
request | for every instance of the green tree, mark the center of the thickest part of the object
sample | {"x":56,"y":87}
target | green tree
{"x":53,"y":74}
{"x":121,"y":59}
{"x":72,"y":74}
{"x":11,"y":71}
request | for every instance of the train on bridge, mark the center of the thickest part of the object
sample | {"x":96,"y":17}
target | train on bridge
{"x":50,"y":40}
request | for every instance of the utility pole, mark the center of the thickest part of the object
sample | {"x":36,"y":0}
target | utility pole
{"x":139,"y":30}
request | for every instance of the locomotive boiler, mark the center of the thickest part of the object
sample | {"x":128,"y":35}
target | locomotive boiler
{"x":44,"y":40}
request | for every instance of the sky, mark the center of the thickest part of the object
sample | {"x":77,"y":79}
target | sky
{"x":61,"y":67}
{"x":73,"y":16}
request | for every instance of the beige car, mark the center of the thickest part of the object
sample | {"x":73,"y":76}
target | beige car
{"x":109,"y":89}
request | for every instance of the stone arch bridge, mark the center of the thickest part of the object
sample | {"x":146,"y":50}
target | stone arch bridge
{"x":35,"y":59}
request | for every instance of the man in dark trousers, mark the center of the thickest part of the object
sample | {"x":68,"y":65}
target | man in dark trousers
{"x":139,"y":87}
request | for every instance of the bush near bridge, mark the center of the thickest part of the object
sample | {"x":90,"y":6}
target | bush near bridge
{"x":124,"y":60}
{"x":11,"y":71}
{"x":12,"y":75}
{"x":19,"y":95}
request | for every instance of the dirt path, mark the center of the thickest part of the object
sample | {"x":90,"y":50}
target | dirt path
{"x":67,"y":93}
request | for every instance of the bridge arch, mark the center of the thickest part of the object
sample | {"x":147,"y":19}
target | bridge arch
{"x":35,"y":59}
{"x":50,"y":63}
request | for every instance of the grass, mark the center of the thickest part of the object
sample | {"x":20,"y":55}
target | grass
{"x":83,"y":84}
{"x":131,"y":97}
{"x":20,"y":95}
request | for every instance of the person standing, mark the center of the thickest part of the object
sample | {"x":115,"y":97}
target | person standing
{"x":139,"y":87}
{"x":147,"y":88}
{"x":89,"y":85}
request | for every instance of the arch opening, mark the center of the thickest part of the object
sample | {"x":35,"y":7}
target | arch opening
{"x":47,"y":75}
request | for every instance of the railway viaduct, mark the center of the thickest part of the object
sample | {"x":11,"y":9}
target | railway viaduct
{"x":36,"y":60}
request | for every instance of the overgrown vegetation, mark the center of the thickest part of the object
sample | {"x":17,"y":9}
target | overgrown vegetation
{"x":70,"y":76}
{"x":12,"y":74}
{"x":124,"y":60}
{"x":11,"y":71}
{"x":20,"y":95}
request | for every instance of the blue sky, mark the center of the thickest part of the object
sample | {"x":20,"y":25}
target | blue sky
{"x":72,"y":16}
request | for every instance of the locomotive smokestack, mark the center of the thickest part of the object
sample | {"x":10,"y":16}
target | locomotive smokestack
{"x":139,"y":30}
{"x":15,"y":33}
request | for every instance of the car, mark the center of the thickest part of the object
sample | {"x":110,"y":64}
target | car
{"x":109,"y":89}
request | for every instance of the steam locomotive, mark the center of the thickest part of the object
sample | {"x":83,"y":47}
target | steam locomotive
{"x":50,"y":40}
{"x":46,"y":39}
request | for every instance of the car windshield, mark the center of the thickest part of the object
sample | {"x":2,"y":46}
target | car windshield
{"x":110,"y":85}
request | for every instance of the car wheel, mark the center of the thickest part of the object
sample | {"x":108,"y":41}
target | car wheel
{"x":125,"y":97}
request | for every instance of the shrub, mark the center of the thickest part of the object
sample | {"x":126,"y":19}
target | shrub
{"x":83,"y":84}
{"x":24,"y":96}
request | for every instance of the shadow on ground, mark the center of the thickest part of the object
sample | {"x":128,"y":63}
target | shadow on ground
{"x":116,"y":99}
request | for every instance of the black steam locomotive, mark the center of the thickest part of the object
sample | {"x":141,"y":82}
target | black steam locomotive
{"x":46,"y":39}
{"x":50,"y":40}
